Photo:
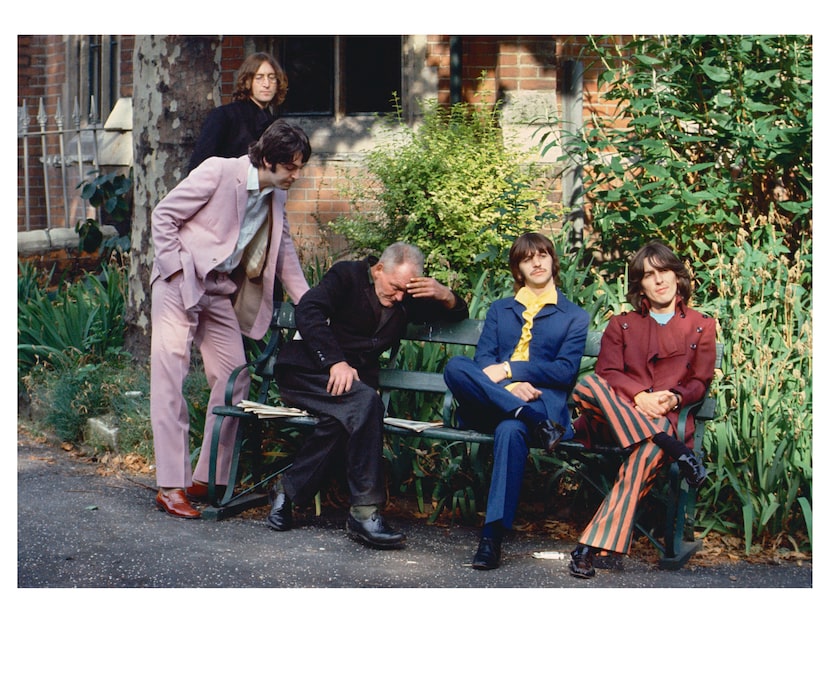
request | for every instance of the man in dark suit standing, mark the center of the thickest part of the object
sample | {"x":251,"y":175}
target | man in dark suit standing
{"x":526,"y":362}
{"x":357,"y":311}
{"x":228,"y":131}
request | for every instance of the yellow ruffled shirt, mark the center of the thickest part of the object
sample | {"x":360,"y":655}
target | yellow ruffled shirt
{"x":532,"y":304}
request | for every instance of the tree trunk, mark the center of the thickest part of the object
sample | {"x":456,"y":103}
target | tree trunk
{"x":175,"y":84}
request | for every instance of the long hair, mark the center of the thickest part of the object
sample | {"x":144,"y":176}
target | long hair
{"x":526,"y":246}
{"x":280,"y":143}
{"x":245,"y":76}
{"x":660,"y":257}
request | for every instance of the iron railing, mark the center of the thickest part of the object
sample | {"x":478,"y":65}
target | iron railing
{"x":54,"y":157}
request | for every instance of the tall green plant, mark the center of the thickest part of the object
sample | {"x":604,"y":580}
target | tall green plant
{"x":451,"y":186}
{"x":82,"y":318}
{"x":762,"y":444}
{"x":708,"y":146}
{"x":705,"y":134}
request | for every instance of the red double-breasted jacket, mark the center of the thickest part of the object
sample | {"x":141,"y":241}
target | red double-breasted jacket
{"x":637,"y":354}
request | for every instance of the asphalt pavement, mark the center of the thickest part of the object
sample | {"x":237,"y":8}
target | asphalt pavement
{"x":104,"y":531}
{"x":115,"y":594}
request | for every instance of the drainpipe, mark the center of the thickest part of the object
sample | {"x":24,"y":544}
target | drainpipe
{"x":572,"y":188}
{"x":455,"y":69}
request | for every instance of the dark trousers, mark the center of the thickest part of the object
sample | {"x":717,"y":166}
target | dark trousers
{"x":350,"y":432}
{"x":488,"y":407}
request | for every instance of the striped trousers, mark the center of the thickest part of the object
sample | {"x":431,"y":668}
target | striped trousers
{"x":606,"y":416}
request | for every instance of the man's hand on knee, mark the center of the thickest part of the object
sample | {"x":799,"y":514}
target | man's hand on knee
{"x":341,"y":377}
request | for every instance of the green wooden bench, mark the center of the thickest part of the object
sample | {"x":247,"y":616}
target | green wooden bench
{"x":678,"y":543}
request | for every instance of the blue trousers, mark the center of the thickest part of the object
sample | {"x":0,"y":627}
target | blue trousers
{"x":488,"y":407}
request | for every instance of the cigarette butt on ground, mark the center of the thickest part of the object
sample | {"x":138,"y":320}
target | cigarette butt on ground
{"x":549,"y":555}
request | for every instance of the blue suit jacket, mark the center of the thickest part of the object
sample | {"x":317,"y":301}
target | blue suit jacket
{"x":558,"y":341}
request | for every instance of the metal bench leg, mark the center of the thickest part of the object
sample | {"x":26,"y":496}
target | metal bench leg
{"x":230,"y":504}
{"x":681,"y":502}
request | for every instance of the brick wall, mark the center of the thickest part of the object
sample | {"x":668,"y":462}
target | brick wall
{"x":42,"y":74}
{"x":127,"y":44}
{"x":511,"y":65}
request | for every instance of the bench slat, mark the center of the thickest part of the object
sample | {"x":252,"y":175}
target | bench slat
{"x":410,"y":380}
{"x":464,"y":333}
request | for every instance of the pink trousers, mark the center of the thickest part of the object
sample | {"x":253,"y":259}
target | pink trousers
{"x":213,"y":327}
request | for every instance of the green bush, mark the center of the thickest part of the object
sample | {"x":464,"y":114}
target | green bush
{"x":709,"y":147}
{"x":85,"y":318}
{"x":72,"y":366}
{"x":65,"y":397}
{"x":761,"y":444}
{"x":450,"y":186}
{"x":704,"y":135}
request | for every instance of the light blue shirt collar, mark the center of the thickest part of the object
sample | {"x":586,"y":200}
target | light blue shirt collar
{"x":253,"y":181}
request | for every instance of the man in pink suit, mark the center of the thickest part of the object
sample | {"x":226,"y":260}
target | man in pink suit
{"x":221,"y":238}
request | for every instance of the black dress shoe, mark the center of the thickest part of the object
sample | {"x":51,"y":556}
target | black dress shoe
{"x":582,"y":562}
{"x":374,"y":531}
{"x":280,"y":517}
{"x":547,"y":435}
{"x":488,"y":554}
{"x":692,"y":469}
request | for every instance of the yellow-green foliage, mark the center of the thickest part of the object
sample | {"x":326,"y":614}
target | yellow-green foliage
{"x":451,"y":186}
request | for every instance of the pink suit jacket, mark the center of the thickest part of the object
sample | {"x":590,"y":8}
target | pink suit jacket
{"x":196,"y":227}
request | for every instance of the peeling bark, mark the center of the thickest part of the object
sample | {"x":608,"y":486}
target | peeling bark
{"x":175,"y":84}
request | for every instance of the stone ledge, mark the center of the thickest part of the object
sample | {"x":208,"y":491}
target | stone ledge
{"x":41,"y":241}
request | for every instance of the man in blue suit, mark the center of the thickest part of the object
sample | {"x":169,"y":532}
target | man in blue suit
{"x":526,"y":363}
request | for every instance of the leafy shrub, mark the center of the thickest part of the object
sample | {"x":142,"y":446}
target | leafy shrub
{"x":709,"y":147}
{"x":83,"y":318}
{"x":72,"y":366}
{"x":704,"y":134}
{"x":450,"y":186}
{"x":112,"y":193}
{"x":762,"y":442}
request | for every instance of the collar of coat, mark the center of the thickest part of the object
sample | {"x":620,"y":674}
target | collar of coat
{"x":679,"y":306}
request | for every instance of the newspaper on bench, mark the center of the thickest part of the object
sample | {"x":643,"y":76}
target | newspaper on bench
{"x":266,"y":411}
{"x":414,"y":425}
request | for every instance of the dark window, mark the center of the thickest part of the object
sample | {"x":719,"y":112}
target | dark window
{"x":309,"y":63}
{"x":344,"y":75}
{"x":95,"y":73}
{"x":372,"y":74}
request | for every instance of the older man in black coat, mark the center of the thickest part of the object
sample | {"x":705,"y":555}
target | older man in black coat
{"x":357,"y":311}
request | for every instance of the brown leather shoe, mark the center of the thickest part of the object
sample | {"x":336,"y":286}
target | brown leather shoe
{"x":197,"y":491}
{"x":176,"y":503}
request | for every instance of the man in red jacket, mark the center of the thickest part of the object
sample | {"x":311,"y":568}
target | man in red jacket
{"x":651,"y":361}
